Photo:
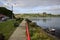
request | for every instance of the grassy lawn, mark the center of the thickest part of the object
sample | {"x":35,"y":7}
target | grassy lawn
{"x":7,"y":28}
{"x":37,"y":33}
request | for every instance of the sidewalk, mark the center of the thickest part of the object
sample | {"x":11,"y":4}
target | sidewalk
{"x":20,"y":32}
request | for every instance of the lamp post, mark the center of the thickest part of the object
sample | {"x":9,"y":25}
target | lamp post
{"x":11,"y":7}
{"x":12,"y":11}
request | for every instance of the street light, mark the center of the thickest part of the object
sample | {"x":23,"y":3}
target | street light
{"x":11,"y":7}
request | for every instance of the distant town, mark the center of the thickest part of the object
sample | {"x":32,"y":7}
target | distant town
{"x":44,"y":14}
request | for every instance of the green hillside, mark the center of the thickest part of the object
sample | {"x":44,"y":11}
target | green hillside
{"x":6,"y":12}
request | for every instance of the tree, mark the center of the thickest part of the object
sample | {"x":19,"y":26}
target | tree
{"x":44,"y":14}
{"x":6,"y":12}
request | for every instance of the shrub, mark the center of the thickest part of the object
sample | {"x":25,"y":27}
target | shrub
{"x":28,"y":21}
{"x":16,"y":24}
{"x":2,"y":37}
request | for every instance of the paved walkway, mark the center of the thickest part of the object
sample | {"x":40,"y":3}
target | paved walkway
{"x":20,"y":32}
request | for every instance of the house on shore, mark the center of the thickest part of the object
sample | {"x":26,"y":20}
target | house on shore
{"x":3,"y":17}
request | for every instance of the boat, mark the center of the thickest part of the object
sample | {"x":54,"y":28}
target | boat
{"x":52,"y":30}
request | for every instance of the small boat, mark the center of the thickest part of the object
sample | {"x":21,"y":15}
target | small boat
{"x":52,"y":30}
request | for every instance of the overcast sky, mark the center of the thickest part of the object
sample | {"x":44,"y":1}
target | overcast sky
{"x":32,"y":6}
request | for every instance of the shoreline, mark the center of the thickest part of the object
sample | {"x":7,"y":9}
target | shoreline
{"x":39,"y":28}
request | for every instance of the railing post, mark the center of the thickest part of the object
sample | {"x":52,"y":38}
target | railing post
{"x":27,"y":32}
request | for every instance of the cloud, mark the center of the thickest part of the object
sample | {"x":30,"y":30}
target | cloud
{"x":34,"y":3}
{"x":55,"y":7}
{"x":1,"y":4}
{"x":19,"y":3}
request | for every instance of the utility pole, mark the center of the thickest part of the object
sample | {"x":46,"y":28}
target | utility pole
{"x":9,"y":2}
{"x":12,"y":11}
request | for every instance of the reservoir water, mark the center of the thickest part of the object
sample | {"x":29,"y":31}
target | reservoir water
{"x":48,"y":22}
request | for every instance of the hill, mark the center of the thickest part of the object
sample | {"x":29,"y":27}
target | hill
{"x":6,"y":12}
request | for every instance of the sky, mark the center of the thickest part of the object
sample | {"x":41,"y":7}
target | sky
{"x":32,"y":6}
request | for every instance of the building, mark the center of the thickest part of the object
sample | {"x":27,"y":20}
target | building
{"x":3,"y":17}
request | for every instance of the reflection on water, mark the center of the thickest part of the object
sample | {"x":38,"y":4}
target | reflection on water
{"x":44,"y":20}
{"x":49,"y":22}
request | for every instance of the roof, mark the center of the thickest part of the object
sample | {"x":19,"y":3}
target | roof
{"x":1,"y":15}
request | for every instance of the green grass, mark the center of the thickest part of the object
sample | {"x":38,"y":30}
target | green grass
{"x":7,"y":28}
{"x":37,"y":33}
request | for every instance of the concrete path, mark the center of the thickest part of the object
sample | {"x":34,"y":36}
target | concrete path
{"x":20,"y":32}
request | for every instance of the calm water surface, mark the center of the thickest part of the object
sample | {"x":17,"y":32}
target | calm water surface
{"x":49,"y":22}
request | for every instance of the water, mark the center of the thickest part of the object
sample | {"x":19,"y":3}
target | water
{"x":49,"y":22}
